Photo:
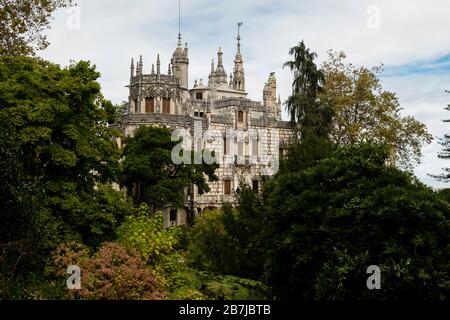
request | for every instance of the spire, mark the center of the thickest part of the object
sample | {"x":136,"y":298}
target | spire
{"x":212,"y":74}
{"x":220,"y":74}
{"x":158,"y":65}
{"x":139,"y":66}
{"x":239,"y":76}
{"x":219,"y":58}
{"x":212,"y":66}
{"x":132,"y":68}
{"x":239,"y":25}
{"x":169,"y":70}
{"x":153,"y":68}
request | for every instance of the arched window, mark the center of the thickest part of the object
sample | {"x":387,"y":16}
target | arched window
{"x":149,"y":105}
{"x":240,"y":116}
{"x":166,"y":105}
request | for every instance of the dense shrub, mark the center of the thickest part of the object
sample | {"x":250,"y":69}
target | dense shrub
{"x":114,"y":273}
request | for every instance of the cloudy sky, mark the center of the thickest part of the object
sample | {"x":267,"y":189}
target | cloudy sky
{"x":410,"y":37}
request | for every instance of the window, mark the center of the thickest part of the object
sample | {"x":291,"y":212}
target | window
{"x":149,"y":105}
{"x":166,"y":105}
{"x":173,"y":215}
{"x":225,"y":146}
{"x":227,"y":187}
{"x":199,"y":96}
{"x":195,"y":114}
{"x":255,"y":148}
{"x":240,"y":116}
{"x":135,"y":102}
{"x":255,"y":186}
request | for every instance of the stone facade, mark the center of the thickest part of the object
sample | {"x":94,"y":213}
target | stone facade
{"x":246,"y":135}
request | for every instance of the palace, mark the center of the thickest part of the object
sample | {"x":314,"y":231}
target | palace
{"x":247,"y":135}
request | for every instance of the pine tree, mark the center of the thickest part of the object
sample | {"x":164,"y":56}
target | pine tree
{"x":445,"y":153}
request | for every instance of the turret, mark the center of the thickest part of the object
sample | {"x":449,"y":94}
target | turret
{"x":180,"y":64}
{"x":221,"y":78}
{"x":270,"y":97}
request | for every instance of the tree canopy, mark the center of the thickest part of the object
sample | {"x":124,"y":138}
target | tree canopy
{"x":22,"y":23}
{"x":61,"y":129}
{"x":364,"y":112}
{"x":150,"y":174}
{"x":331,"y":221}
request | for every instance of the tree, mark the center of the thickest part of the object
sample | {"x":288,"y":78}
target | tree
{"x":150,"y":174}
{"x":63,"y":137}
{"x":445,"y":154}
{"x":330,"y":222}
{"x":22,"y":23}
{"x":231,"y":241}
{"x":212,"y":248}
{"x":364,"y":112}
{"x":311,"y":115}
{"x":26,"y":227}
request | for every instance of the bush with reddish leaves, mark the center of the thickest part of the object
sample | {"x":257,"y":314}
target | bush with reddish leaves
{"x":113,"y":273}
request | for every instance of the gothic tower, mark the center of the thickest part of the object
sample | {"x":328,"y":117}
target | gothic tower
{"x":180,"y":64}
{"x":238,"y":73}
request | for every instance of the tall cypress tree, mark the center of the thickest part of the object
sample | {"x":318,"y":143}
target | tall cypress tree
{"x":310,"y":114}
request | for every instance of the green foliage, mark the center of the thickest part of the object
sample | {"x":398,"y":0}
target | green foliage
{"x":211,"y":286}
{"x":148,"y":163}
{"x":364,"y":112}
{"x":311,"y":115}
{"x":61,"y":130}
{"x":230,"y":241}
{"x":22,"y":25}
{"x":103,"y":211}
{"x":333,"y":220}
{"x":156,"y":245}
{"x":445,"y":153}
{"x":26,"y":227}
{"x":233,"y":288}
{"x":212,"y":248}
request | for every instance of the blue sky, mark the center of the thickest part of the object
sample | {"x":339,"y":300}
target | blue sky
{"x":410,"y":38}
